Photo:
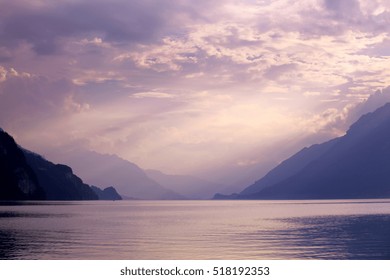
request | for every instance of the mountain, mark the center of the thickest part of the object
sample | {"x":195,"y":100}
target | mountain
{"x":234,"y":176}
{"x":17,"y":179}
{"x":188,"y":186}
{"x":25,"y":175}
{"x":58,"y":180}
{"x":106,"y":170}
{"x":355,"y":165}
{"x":290,"y":166}
{"x":109,"y":193}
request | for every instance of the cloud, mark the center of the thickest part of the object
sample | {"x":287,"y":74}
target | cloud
{"x":11,"y":73}
{"x":28,"y":100}
{"x":152,"y":94}
{"x":274,"y":72}
{"x":46,"y":25}
{"x":370,"y":104}
{"x":346,"y":9}
{"x":3,"y":74}
{"x":93,"y":76}
{"x":213,"y":81}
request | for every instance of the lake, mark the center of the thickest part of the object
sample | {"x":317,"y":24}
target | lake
{"x":324,"y":229}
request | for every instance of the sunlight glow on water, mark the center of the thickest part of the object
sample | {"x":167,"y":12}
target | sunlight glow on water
{"x":338,"y":229}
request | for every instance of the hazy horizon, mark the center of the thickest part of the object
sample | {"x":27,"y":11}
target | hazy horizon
{"x":190,"y":87}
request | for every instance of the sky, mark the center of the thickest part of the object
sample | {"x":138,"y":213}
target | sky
{"x":184,"y":86}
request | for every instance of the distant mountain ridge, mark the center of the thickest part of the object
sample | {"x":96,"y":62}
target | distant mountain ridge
{"x":356,"y":165}
{"x":105,"y":170}
{"x":188,"y":186}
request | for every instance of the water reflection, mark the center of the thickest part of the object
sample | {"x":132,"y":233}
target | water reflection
{"x":195,"y":230}
{"x":12,"y":215}
{"x":327,"y":237}
{"x":7,"y":245}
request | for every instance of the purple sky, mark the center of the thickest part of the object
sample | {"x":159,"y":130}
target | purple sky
{"x":183,"y":86}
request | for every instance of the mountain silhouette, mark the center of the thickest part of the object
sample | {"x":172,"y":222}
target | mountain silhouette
{"x":290,"y":166}
{"x":58,"y":180}
{"x":355,"y":165}
{"x":17,"y":179}
{"x":109,"y":193}
{"x":25,"y":175}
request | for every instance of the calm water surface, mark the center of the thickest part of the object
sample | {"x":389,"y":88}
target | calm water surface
{"x":334,"y":229}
